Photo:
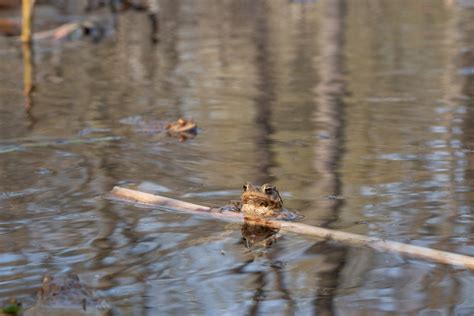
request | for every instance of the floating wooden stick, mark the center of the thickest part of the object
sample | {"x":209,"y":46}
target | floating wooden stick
{"x":133,"y":196}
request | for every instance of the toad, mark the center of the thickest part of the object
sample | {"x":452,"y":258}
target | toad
{"x":262,"y":201}
{"x":182,"y":128}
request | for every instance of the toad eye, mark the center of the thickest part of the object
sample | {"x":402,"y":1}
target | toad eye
{"x":268,"y":190}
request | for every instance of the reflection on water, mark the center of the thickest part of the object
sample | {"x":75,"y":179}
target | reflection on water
{"x":255,"y":235}
{"x":360,"y":112}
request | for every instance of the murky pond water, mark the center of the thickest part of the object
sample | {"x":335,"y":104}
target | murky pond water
{"x":359,"y":112}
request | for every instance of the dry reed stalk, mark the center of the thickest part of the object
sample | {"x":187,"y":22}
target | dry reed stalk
{"x":26,"y":20}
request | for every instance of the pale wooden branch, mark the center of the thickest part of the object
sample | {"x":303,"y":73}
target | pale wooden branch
{"x":133,"y":196}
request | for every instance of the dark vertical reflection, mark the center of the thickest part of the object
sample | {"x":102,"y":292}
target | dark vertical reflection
{"x":265,"y":100}
{"x":464,"y":19}
{"x":28,"y":80}
{"x":264,"y":106}
{"x":169,"y":53}
{"x":462,"y":90}
{"x":264,"y":129}
{"x":459,"y":115}
{"x":452,"y":119}
{"x":153,"y":16}
{"x":329,"y":113}
{"x":260,"y":279}
{"x":329,"y":123}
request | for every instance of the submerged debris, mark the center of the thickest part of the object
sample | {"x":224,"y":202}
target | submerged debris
{"x":65,"y":295}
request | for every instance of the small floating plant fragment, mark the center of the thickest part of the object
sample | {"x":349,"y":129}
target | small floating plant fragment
{"x":12,"y":307}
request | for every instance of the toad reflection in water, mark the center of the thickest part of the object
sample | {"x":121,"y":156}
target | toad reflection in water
{"x":255,"y":235}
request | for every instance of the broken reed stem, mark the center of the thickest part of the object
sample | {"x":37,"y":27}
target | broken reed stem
{"x":26,"y":20}
{"x":128,"y":195}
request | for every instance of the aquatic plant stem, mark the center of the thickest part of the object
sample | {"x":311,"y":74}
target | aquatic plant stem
{"x":26,"y":20}
{"x":133,"y":196}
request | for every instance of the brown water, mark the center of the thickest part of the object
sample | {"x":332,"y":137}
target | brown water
{"x":360,"y":112}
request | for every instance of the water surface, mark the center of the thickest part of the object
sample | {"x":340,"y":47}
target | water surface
{"x":359,"y":112}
